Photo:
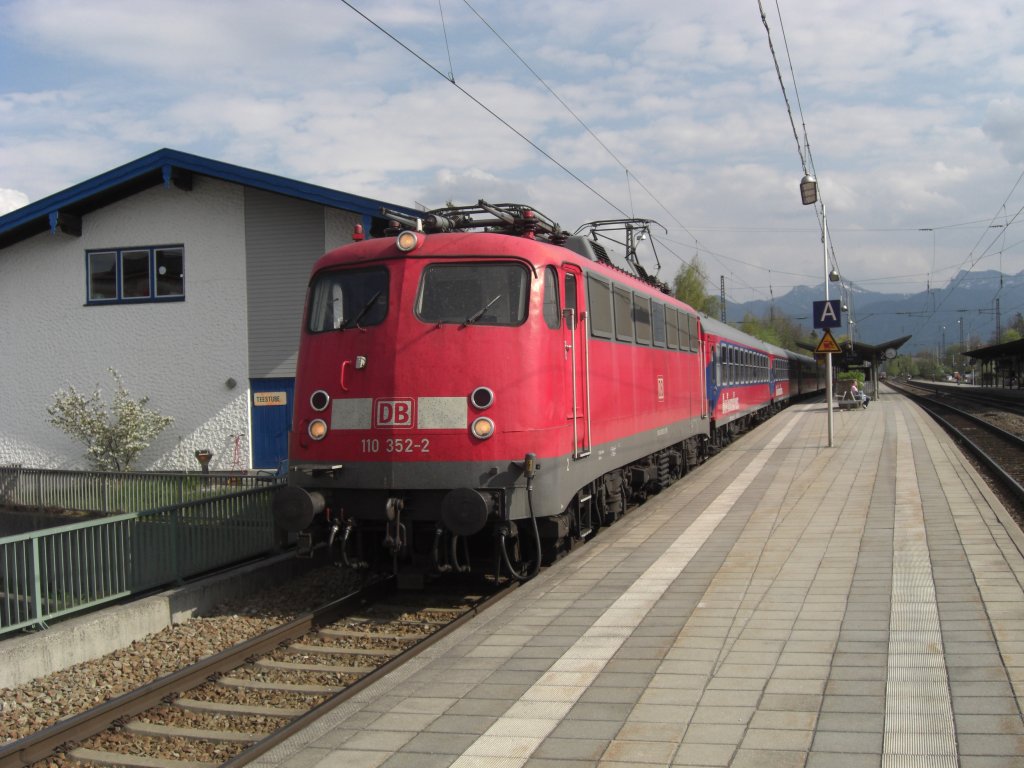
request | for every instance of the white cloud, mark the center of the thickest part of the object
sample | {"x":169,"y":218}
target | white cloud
{"x":11,"y":200}
{"x":913,"y":109}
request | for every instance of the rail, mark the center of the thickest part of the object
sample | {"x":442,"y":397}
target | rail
{"x":57,"y":571}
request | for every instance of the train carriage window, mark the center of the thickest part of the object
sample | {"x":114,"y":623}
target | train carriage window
{"x":622,"y":300}
{"x":600,"y":296}
{"x":642,"y":318}
{"x":672,"y":327}
{"x":552,"y":312}
{"x":349,"y":298}
{"x":493,"y":293}
{"x":694,"y":333}
{"x":658,"y":324}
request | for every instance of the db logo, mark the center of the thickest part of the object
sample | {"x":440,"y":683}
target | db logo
{"x":393,"y":413}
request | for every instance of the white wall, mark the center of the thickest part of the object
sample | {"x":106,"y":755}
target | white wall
{"x":180,"y":354}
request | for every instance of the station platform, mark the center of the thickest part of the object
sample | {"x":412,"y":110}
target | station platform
{"x":786,"y":604}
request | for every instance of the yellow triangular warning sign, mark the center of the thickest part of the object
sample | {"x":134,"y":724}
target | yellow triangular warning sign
{"x":827,"y":345}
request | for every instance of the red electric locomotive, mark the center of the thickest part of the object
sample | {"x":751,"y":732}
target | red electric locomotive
{"x":483,"y":384}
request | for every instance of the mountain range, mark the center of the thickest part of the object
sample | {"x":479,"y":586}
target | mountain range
{"x":934,"y":318}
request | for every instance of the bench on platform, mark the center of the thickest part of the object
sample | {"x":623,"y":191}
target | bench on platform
{"x":847,"y":401}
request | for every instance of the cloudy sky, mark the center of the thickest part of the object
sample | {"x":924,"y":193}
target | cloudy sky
{"x":665,"y":109}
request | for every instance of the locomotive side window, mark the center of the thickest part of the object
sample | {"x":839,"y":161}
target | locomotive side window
{"x":552,"y":312}
{"x":642,"y":318}
{"x":658,"y":324}
{"x":600,"y":307}
{"x":623,"y":300}
{"x":672,"y":327}
{"x":694,"y":333}
{"x":348,"y":299}
{"x":684,"y":331}
{"x":474,"y":294}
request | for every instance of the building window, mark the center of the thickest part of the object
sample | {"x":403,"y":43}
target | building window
{"x":135,"y":274}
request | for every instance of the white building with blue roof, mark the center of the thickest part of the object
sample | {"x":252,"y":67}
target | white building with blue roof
{"x":185,"y":275}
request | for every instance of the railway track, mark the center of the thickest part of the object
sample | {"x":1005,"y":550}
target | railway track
{"x":1000,"y":451}
{"x":230,"y":708}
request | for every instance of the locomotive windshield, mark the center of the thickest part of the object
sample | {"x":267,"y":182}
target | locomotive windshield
{"x":474,"y":294}
{"x":348,"y":299}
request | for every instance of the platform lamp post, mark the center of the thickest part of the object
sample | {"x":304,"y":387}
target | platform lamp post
{"x":809,"y":196}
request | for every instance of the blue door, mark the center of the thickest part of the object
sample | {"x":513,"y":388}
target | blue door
{"x":271,"y":411}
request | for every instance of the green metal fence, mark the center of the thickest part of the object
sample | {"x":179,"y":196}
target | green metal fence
{"x":114,"y":492}
{"x":57,"y":571}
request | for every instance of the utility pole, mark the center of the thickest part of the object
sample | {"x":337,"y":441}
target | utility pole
{"x":721,"y":295}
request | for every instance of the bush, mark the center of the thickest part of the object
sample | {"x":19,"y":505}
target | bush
{"x":112,"y":440}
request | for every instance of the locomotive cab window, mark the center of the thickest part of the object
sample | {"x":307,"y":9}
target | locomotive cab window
{"x":570,"y":301}
{"x":474,"y":294}
{"x":352,"y":298}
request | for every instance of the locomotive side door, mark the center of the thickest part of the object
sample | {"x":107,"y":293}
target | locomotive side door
{"x":577,"y":359}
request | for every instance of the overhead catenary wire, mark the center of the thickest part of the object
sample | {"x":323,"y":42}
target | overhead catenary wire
{"x":486,"y":108}
{"x":630,"y":176}
{"x":583,"y":124}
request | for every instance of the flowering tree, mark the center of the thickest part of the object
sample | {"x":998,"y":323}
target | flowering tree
{"x":114,"y":439}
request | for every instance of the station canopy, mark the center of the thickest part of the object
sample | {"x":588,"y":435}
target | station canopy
{"x":860,"y":352}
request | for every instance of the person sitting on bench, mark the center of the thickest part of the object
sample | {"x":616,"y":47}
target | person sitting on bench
{"x":856,"y":394}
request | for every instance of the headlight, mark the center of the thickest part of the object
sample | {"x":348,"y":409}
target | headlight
{"x":317,"y":429}
{"x":482,"y":428}
{"x":319,"y":400}
{"x":482,"y":398}
{"x":407,"y":241}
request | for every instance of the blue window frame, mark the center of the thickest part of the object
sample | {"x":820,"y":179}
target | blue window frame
{"x":130,"y":275}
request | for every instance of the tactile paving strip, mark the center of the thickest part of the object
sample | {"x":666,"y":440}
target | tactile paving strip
{"x":919,"y":728}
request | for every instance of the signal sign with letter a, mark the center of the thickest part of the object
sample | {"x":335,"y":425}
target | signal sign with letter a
{"x":394,"y":413}
{"x":828,"y":314}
